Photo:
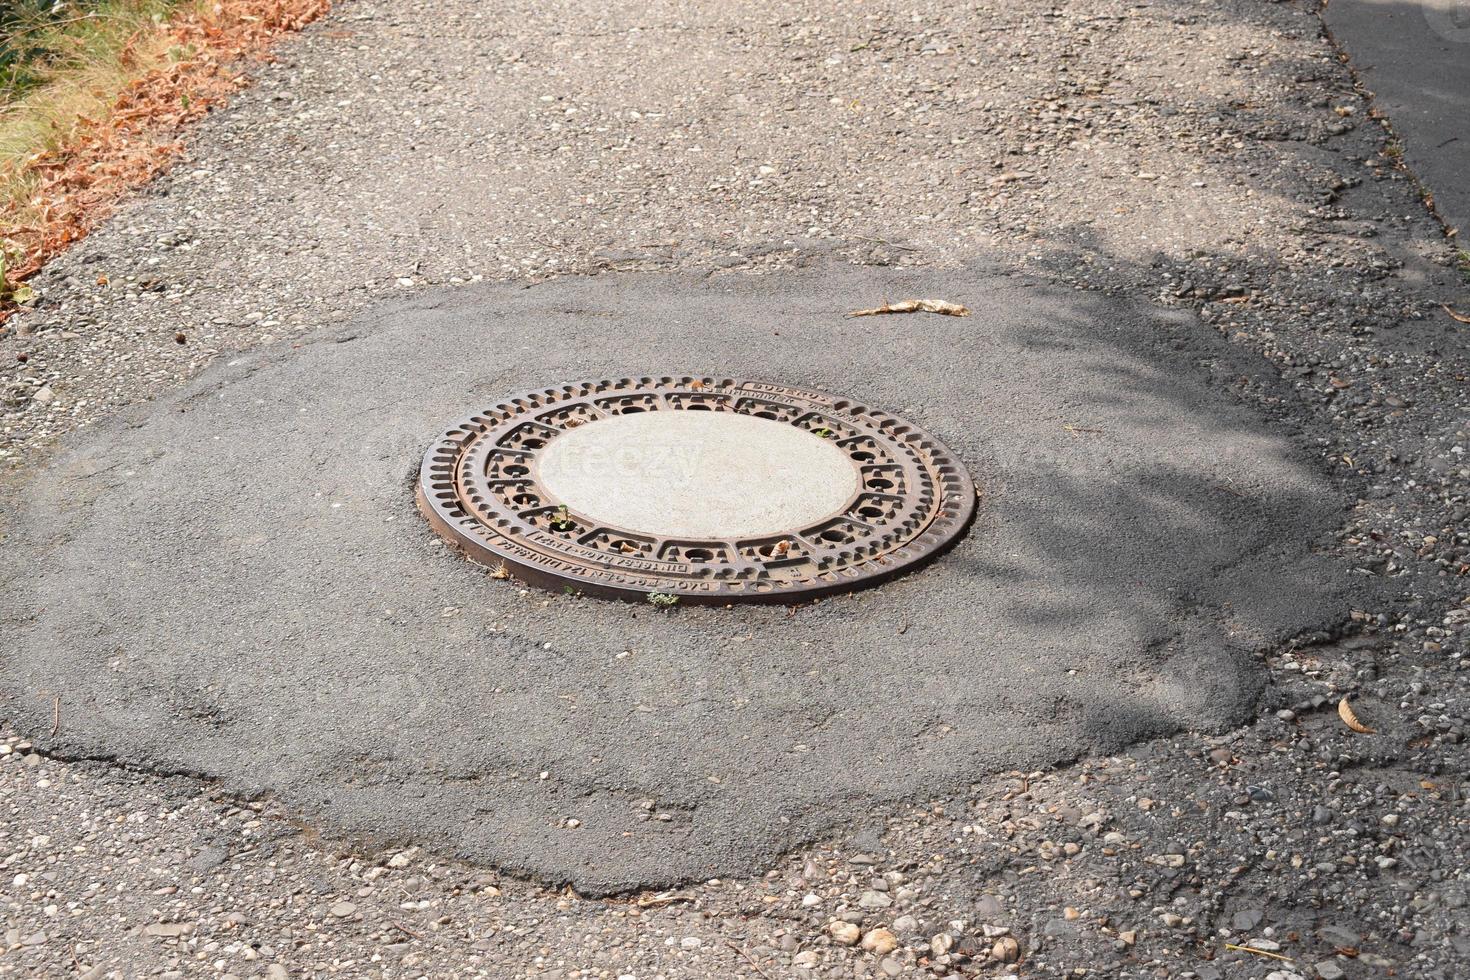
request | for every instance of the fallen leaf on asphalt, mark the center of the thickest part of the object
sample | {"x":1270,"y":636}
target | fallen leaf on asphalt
{"x":916,"y":306}
{"x":1462,"y":318}
{"x":1345,"y":712}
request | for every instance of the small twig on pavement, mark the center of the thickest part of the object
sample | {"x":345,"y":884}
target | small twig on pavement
{"x":1259,"y":952}
{"x":56,"y":716}
{"x":405,"y":930}
{"x":746,"y":957}
{"x":1454,"y":314}
{"x":880,"y":241}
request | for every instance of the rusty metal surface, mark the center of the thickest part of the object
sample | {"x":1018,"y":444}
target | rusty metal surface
{"x":478,"y":488}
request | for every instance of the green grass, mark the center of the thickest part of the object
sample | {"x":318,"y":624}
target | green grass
{"x":42,"y":41}
{"x":92,"y":94}
{"x":60,"y":64}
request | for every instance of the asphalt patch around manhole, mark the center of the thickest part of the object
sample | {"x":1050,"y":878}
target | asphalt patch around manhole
{"x":234,"y":582}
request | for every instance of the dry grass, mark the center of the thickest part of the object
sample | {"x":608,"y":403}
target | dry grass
{"x":71,"y":69}
{"x":108,"y":115}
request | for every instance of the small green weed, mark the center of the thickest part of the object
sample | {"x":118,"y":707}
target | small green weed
{"x":10,"y":290}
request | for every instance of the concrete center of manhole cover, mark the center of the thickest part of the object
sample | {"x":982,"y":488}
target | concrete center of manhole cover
{"x":707,"y":489}
{"x":697,"y":474}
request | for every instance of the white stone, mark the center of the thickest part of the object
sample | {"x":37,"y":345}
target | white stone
{"x":697,"y":475}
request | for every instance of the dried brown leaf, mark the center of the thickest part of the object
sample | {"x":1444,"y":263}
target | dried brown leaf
{"x":916,"y":306}
{"x":1350,"y":719}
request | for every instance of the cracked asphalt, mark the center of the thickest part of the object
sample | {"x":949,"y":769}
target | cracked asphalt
{"x":1180,"y":220}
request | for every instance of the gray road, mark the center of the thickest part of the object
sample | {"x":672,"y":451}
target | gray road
{"x":1169,"y":232}
{"x":1415,"y":57}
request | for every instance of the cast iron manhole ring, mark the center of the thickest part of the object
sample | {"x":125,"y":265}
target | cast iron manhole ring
{"x":490,"y":486}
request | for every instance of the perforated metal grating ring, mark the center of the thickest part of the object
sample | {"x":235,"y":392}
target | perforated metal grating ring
{"x":479,"y":488}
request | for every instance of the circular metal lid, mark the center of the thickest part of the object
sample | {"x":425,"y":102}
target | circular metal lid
{"x":707,"y":489}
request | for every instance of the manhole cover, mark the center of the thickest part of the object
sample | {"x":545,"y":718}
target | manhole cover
{"x":713,"y":490}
